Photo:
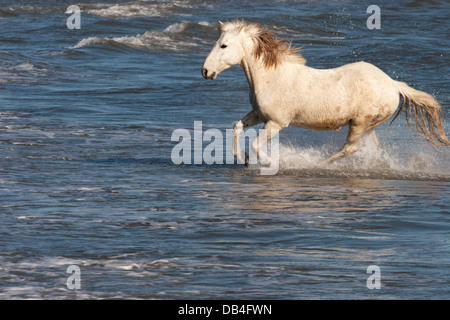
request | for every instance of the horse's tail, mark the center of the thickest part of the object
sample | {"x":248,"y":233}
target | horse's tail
{"x":427,"y":114}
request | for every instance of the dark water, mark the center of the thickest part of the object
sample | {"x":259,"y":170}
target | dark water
{"x":86,"y":176}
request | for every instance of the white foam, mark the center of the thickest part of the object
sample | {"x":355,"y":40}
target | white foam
{"x":89,"y":189}
{"x":369,"y":161}
{"x":128,"y":10}
{"x":177,"y":27}
{"x":86,"y":42}
{"x":163,"y":40}
{"x":29,"y":291}
{"x":148,"y":40}
{"x":137,"y":9}
{"x":182,"y":26}
{"x":131,"y":266}
{"x":121,"y":264}
{"x":26,"y":66}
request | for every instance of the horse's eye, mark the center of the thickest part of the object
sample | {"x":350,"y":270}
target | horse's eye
{"x":223,"y":46}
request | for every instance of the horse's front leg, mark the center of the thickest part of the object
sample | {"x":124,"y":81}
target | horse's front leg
{"x":251,"y":119}
{"x":271,"y":129}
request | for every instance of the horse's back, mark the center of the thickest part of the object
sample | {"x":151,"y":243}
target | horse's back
{"x":375,"y":90}
{"x":358,"y":92}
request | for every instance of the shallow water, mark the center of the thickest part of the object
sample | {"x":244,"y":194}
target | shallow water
{"x":87,"y":179}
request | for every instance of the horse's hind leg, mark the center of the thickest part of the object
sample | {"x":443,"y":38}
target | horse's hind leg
{"x":355,"y":133}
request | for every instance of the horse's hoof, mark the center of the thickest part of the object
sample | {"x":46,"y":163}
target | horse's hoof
{"x":247,"y":160}
{"x":325,"y":163}
{"x":243,"y":158}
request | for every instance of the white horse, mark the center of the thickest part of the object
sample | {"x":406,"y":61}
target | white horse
{"x":284,"y":91}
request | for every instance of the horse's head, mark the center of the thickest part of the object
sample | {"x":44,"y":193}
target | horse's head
{"x":227,"y":51}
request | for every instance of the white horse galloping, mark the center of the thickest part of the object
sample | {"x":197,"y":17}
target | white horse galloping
{"x":284,"y":91}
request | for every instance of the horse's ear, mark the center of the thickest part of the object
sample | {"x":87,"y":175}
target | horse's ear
{"x":220,"y":26}
{"x":220,"y":22}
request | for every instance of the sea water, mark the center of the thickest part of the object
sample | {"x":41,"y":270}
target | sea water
{"x":87,"y":179}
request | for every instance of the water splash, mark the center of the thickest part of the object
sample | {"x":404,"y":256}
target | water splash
{"x":385,"y":162}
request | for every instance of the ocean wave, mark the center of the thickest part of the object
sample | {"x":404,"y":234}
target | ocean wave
{"x":137,"y":9}
{"x":141,"y":8}
{"x":21,"y":71}
{"x":183,"y":26}
{"x":17,"y":68}
{"x":149,"y":40}
{"x":13,"y":11}
{"x":155,"y":40}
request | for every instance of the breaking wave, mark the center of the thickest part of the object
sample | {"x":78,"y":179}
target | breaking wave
{"x":171,"y":38}
{"x":137,"y":9}
{"x":140,"y":8}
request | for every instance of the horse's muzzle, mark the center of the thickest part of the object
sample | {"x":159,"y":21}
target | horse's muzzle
{"x":205,"y":74}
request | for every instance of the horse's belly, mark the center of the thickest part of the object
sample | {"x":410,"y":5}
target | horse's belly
{"x":320,"y":124}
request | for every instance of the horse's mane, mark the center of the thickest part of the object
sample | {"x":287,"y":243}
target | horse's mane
{"x":271,"y":50}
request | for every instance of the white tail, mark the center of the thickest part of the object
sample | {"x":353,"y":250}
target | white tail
{"x":427,"y":114}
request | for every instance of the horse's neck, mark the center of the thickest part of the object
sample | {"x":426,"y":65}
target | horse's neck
{"x":248,"y":74}
{"x":260,"y":77}
{"x":257,"y":74}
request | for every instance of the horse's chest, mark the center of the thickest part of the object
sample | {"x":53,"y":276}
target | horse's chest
{"x":263,"y":106}
{"x":263,"y":111}
{"x":256,"y":105}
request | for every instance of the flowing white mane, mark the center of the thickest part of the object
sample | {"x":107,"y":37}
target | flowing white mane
{"x":273,"y":51}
